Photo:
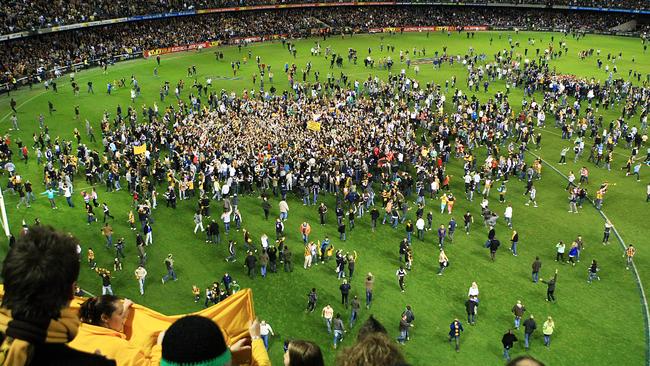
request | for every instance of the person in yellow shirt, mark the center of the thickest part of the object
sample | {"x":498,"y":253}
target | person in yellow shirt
{"x":103,"y":320}
{"x":131,"y":220}
{"x":91,"y":258}
{"x":443,"y":203}
{"x":196,"y":292}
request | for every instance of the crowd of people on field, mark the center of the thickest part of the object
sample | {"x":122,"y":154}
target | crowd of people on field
{"x":208,"y":145}
{"x":40,"y":56}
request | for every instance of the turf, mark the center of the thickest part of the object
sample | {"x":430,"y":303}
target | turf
{"x":597,"y":324}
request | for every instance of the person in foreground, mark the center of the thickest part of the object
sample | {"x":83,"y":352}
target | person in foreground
{"x":195,"y":340}
{"x":303,"y":353}
{"x":103,"y":320}
{"x":36,"y":324}
{"x":373,"y":348}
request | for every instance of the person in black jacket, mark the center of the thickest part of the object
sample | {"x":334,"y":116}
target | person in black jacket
{"x":40,"y":273}
{"x":529,"y":327}
{"x":550,"y":291}
{"x":508,"y":340}
{"x":272,"y":251}
{"x":345,"y":292}
{"x":251,"y":261}
{"x":494,"y":245}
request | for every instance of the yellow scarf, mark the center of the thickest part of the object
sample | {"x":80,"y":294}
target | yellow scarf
{"x":20,"y":334}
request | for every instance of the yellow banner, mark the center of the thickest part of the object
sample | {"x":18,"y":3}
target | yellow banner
{"x":314,"y":126}
{"x":140,"y":149}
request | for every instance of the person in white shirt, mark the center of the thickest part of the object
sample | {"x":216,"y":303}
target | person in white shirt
{"x":265,"y":329}
{"x":473,"y":291}
{"x":419,"y":225}
{"x":328,"y":314}
{"x":140,"y":275}
{"x":284,"y":210}
{"x":508,"y":215}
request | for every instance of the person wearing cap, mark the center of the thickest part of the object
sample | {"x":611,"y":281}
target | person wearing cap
{"x":195,"y":340}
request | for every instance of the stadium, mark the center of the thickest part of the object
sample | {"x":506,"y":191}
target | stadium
{"x":217,"y":182}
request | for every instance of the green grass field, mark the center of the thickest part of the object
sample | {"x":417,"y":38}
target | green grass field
{"x":597,"y":324}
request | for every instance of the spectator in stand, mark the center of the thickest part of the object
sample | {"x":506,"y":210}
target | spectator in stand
{"x":195,"y":340}
{"x":39,"y":275}
{"x":103,"y":320}
{"x":303,"y":353}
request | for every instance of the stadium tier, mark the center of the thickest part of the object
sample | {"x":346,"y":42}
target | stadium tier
{"x":34,"y":58}
{"x":23,"y":15}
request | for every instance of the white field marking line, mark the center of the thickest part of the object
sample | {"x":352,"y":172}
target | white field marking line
{"x":23,"y":103}
{"x":644,"y":300}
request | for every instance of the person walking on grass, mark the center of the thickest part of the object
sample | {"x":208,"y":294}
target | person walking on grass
{"x":630,"y":251}
{"x":508,"y":341}
{"x":250,"y":262}
{"x":403,"y":330}
{"x":518,"y":310}
{"x":312,"y":298}
{"x":107,"y":231}
{"x":345,"y":292}
{"x":471,"y":305}
{"x":514,"y":239}
{"x":51,"y":193}
{"x":547,"y":329}
{"x":536,"y":266}
{"x":532,"y":196}
{"x":443,"y":262}
{"x":455,"y":329}
{"x":529,"y":328}
{"x":370,"y":281}
{"x":328,"y":313}
{"x":550,"y":291}
{"x":560,"y":248}
{"x":563,"y":153}
{"x":265,"y":330}
{"x":606,"y":231}
{"x":573,"y":253}
{"x":169,"y":265}
{"x":468,"y":219}
{"x":401,"y":273}
{"x":355,"y":305}
{"x":507,"y":215}
{"x":141,"y":275}
{"x":593,"y":271}
{"x":494,"y":245}
{"x":107,"y":212}
{"x":198,"y":221}
{"x":339,"y":329}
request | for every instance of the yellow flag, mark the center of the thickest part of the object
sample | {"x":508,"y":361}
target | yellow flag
{"x":140,"y":149}
{"x":314,"y":126}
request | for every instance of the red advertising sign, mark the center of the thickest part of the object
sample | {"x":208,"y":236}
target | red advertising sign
{"x":173,"y":49}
